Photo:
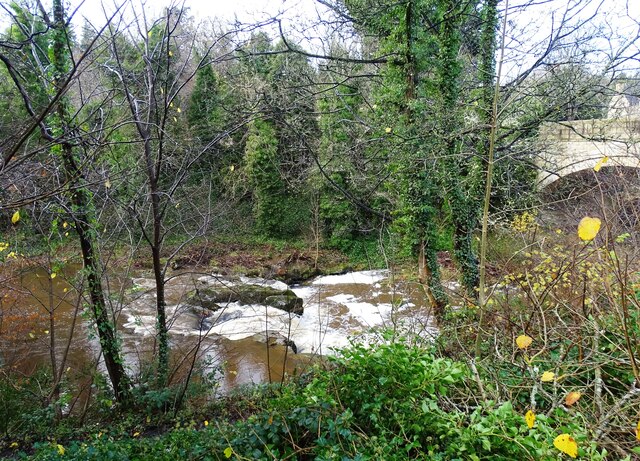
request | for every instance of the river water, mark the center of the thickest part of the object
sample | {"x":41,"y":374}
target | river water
{"x":241,"y":344}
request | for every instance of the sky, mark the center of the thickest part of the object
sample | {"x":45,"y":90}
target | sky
{"x":202,"y":9}
{"x":620,"y":19}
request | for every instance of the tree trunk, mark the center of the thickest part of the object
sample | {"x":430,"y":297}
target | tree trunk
{"x":83,"y":218}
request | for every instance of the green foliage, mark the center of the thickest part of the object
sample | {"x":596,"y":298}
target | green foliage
{"x":205,"y":112}
{"x":22,"y":404}
{"x":278,"y":212}
{"x":385,"y":400}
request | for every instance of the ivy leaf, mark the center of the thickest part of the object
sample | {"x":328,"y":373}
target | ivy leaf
{"x":523,"y":341}
{"x":530,"y":418}
{"x":588,"y":228}
{"x":566,"y":444}
{"x":547,"y":376}
{"x":16,"y":217}
{"x":228,"y":452}
{"x":572,"y":397}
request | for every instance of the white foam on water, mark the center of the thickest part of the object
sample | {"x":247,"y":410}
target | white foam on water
{"x":370,"y":314}
{"x":330,"y":315}
{"x":342,"y":298}
{"x":255,"y":319}
{"x":144,"y":283}
{"x":362,"y":277}
{"x":141,"y":324}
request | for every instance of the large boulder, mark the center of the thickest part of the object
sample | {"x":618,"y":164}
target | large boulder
{"x":214,"y":298}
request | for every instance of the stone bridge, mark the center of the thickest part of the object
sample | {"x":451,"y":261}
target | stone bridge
{"x":572,"y":146}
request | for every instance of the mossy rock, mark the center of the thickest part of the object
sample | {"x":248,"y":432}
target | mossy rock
{"x":214,"y":298}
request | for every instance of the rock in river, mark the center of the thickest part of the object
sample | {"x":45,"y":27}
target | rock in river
{"x":217,"y":296}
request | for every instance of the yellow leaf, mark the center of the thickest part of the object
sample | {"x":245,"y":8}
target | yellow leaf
{"x":136,"y":434}
{"x":107,"y":184}
{"x":530,"y":418}
{"x":31,"y":335}
{"x":638,"y":431}
{"x":572,"y":397}
{"x":60,"y":449}
{"x":53,"y":275}
{"x":588,"y":228}
{"x":601,"y":162}
{"x":170,"y":53}
{"x":547,"y":376}
{"x":13,"y":445}
{"x":206,"y":423}
{"x":566,"y":444}
{"x":179,"y":110}
{"x":228,"y":452}
{"x":65,"y":290}
{"x":232,"y":167}
{"x":387,"y":130}
{"x":16,"y":217}
{"x":175,"y":119}
{"x":523,"y":341}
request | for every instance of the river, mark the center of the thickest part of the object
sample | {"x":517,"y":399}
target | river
{"x":232,"y":342}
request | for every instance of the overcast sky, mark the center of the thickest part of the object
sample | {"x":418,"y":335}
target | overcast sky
{"x":201,"y":9}
{"x":618,"y":19}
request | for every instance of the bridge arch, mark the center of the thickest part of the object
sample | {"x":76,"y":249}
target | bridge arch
{"x":569,"y":147}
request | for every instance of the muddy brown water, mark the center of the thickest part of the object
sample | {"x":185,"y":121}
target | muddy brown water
{"x":232,"y":343}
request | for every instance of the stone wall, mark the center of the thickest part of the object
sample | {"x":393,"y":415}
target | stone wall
{"x":571,"y":146}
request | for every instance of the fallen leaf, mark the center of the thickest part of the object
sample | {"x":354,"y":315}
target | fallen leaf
{"x":530,"y":418}
{"x":547,"y":376}
{"x":572,"y":397}
{"x":588,"y":228}
{"x":566,"y":444}
{"x":523,"y":341}
{"x":16,"y":217}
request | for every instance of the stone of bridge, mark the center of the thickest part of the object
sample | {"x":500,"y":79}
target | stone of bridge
{"x":572,"y":146}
